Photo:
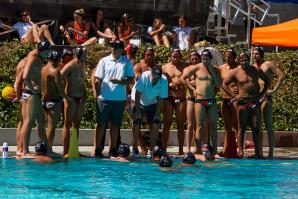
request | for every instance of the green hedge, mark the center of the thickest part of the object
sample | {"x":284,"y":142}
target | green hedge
{"x":285,"y":108}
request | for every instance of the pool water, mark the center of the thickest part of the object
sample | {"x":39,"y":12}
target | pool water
{"x":96,"y":178}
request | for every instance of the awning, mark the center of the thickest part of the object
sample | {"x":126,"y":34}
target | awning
{"x":284,"y":34}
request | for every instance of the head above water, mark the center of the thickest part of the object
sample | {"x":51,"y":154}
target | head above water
{"x":123,"y":150}
{"x":157,"y":153}
{"x":41,"y":148}
{"x":207,"y":151}
{"x":189,"y":158}
{"x":165,"y":161}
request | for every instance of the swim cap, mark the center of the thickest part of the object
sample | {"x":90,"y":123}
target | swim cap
{"x":156,"y":70}
{"x":233,"y":52}
{"x":67,"y":52}
{"x":54,"y":56}
{"x":165,"y":161}
{"x":189,"y":158}
{"x":207,"y":53}
{"x":242,"y":55}
{"x":117,"y":44}
{"x":157,"y":152}
{"x":208,"y":149}
{"x":260,"y":49}
{"x":43,"y":45}
{"x":41,"y":148}
{"x":79,"y":51}
{"x":123,"y":150}
{"x":131,"y":48}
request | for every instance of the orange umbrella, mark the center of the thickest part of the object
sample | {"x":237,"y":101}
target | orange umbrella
{"x":283,"y":34}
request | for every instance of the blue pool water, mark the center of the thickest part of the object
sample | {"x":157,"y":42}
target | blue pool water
{"x":95,"y":178}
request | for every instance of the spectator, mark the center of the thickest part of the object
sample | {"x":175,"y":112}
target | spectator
{"x":98,"y":27}
{"x":125,"y":29}
{"x":157,"y":32}
{"x":147,"y":95}
{"x":183,"y":35}
{"x":77,"y":31}
{"x":28,"y":31}
{"x":112,"y":75}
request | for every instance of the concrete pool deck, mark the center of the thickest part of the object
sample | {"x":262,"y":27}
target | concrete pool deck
{"x":286,"y":145}
{"x":279,"y":152}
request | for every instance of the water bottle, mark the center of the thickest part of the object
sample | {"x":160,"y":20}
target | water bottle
{"x":5,"y":150}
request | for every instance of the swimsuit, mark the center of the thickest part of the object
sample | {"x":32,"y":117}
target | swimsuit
{"x":248,"y":104}
{"x":175,"y":100}
{"x":206,"y":102}
{"x":192,"y":99}
{"x":50,"y":103}
{"x":28,"y":93}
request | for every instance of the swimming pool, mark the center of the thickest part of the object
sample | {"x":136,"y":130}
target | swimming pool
{"x":94,"y":178}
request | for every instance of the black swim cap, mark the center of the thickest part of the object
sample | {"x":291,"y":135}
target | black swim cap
{"x":233,"y":52}
{"x":260,"y":49}
{"x":67,"y":52}
{"x":207,"y":53}
{"x":189,"y":158}
{"x":157,"y":152}
{"x":124,"y":150}
{"x":165,"y":161}
{"x":79,"y":51}
{"x":43,"y":45}
{"x":41,"y":148}
{"x":54,"y":56}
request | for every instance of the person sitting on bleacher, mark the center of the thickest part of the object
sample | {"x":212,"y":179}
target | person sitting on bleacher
{"x":99,"y":29}
{"x":28,"y":31}
{"x":183,"y":35}
{"x":77,"y":31}
{"x":158,"y":33}
{"x":125,"y":29}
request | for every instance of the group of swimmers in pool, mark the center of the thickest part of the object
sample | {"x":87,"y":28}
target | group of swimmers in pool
{"x":147,"y":90}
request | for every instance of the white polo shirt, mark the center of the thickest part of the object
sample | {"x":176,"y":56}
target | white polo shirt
{"x":22,"y":28}
{"x":148,"y":91}
{"x":108,"y":68}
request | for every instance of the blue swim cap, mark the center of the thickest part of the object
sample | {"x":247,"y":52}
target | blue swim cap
{"x":165,"y":161}
{"x":189,"y":158}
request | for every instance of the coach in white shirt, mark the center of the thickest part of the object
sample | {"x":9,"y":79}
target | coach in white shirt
{"x":112,"y":75}
{"x":146,"y":101}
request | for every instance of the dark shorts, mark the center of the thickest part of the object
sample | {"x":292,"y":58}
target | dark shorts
{"x":148,"y":111}
{"x":109,"y":110}
{"x":50,"y":103}
{"x":175,"y":100}
{"x":206,"y":102}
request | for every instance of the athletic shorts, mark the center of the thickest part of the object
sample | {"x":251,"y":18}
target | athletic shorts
{"x":108,"y":109}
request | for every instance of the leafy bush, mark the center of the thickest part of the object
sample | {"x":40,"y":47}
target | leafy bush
{"x":285,"y":109}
